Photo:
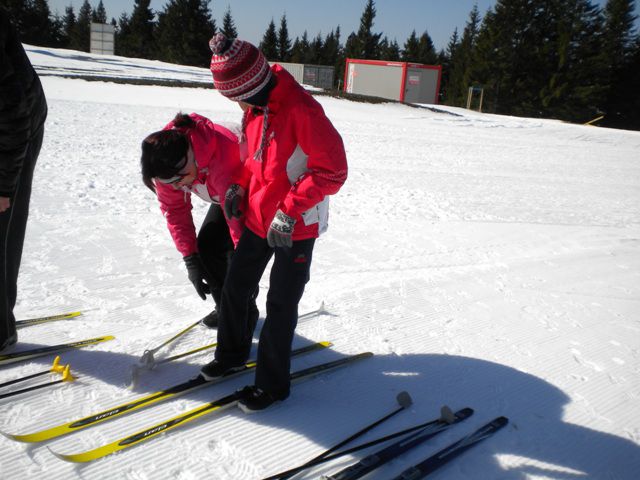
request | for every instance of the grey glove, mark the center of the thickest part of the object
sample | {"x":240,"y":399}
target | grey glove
{"x":232,"y":200}
{"x":280,"y":231}
{"x":198,"y":275}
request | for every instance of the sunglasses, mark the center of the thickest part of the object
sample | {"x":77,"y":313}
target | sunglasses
{"x":182,"y":171}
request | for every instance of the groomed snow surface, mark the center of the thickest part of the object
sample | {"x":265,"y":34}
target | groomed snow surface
{"x":487,"y":261}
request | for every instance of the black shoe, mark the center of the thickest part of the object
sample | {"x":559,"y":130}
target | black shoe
{"x":254,"y":399}
{"x":8,"y":342}
{"x":211,"y":320}
{"x":216,"y":369}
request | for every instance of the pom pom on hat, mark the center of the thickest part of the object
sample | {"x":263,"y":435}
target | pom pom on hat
{"x":239,"y":69}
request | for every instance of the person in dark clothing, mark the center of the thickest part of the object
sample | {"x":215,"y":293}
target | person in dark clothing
{"x":295,"y":161}
{"x":23,"y":111}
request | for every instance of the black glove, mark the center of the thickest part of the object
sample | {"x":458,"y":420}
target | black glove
{"x":232,"y":200}
{"x":280,"y":231}
{"x":198,"y":275}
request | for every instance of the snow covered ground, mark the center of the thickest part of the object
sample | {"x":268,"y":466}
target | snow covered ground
{"x":487,"y":261}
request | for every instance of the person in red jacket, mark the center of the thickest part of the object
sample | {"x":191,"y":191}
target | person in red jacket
{"x":295,"y":160}
{"x":192,"y":155}
{"x":23,"y":111}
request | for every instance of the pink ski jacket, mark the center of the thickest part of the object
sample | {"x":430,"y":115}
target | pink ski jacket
{"x":294,"y":164}
{"x":217,"y":154}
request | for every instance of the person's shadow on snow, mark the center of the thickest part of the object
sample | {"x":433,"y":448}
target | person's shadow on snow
{"x":323,"y":410}
{"x":536,"y":435}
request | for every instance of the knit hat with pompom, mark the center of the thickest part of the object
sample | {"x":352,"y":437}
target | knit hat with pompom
{"x":239,"y":69}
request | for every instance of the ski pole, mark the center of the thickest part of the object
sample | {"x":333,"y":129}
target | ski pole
{"x":287,"y":473}
{"x":55,"y":368}
{"x":404,"y":400}
{"x":66,"y":377}
{"x":147,"y":357}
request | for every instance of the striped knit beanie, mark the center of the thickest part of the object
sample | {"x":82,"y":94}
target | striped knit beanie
{"x":239,"y":69}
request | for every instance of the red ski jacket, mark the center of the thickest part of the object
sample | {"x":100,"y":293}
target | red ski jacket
{"x":217,"y":155}
{"x":294,"y":164}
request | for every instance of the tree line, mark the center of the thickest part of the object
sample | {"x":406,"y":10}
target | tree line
{"x":564,"y":59}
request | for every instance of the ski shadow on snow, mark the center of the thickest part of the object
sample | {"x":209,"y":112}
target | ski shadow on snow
{"x":346,"y":400}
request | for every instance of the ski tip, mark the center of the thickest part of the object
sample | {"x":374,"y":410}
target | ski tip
{"x":404,"y":399}
{"x":325,"y":344}
{"x":7,"y":435}
{"x":500,"y":422}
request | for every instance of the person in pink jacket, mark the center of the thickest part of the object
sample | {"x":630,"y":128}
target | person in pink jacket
{"x":295,"y":160}
{"x":193,"y":155}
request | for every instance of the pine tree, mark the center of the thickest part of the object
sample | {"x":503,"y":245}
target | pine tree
{"x":183,"y":32}
{"x":82,"y":37}
{"x":123,"y":36}
{"x":69,"y":27}
{"x":618,"y":48}
{"x":269,"y":43}
{"x":138,"y":35}
{"x":426,"y":51}
{"x":300,"y":49}
{"x":99,"y":14}
{"x":366,"y":42}
{"x":228,"y":25}
{"x":411,"y":50}
{"x":447,"y":59}
{"x":37,"y":27}
{"x":284,"y":42}
{"x":462,"y":62}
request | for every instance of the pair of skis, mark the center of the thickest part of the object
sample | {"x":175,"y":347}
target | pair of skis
{"x":413,"y":437}
{"x":174,"y":422}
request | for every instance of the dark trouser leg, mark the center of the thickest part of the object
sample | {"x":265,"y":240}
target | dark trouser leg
{"x":247,"y":266}
{"x":289,"y":275}
{"x":13,"y":225}
{"x":215,"y":247}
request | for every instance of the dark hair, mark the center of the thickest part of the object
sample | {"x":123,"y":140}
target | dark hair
{"x":163,"y":151}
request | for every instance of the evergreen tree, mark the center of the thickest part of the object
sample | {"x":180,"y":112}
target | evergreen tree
{"x":365,"y":45}
{"x":447,"y":59}
{"x":462,"y":63}
{"x":269,"y":43}
{"x":123,"y":35}
{"x":300,"y":49}
{"x":37,"y":26}
{"x":69,"y":27}
{"x":183,"y":32}
{"x":284,"y":42}
{"x":82,"y":36}
{"x":426,"y":51}
{"x":99,"y":15}
{"x":618,"y":48}
{"x":331,"y":48}
{"x":411,"y":51}
{"x":228,"y":25}
{"x":137,"y":32}
{"x":316,"y":51}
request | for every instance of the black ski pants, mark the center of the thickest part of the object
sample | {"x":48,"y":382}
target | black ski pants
{"x":13,"y":225}
{"x":216,"y":248}
{"x":288,"y":277}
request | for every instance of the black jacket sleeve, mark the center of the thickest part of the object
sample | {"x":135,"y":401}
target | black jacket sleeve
{"x":23,"y":108}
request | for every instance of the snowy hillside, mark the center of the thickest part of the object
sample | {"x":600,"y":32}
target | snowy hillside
{"x":488,"y":262}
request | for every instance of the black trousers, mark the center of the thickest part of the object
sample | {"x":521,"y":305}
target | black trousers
{"x":13,"y":225}
{"x":289,"y":275}
{"x":216,"y":248}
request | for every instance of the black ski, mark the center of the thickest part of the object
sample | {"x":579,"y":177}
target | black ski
{"x":379,"y":458}
{"x":439,"y":459}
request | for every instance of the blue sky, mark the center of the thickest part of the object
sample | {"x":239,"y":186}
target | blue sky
{"x":395,"y":18}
